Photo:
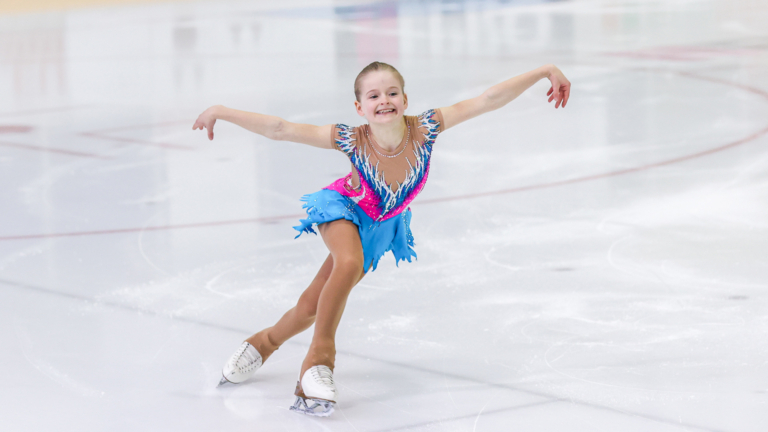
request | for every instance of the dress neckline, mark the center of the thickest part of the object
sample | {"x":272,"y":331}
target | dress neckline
{"x":377,"y":147}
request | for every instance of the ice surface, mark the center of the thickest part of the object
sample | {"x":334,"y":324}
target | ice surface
{"x":597,"y":268}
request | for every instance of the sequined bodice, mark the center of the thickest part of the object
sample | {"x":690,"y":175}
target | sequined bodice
{"x":375,"y":196}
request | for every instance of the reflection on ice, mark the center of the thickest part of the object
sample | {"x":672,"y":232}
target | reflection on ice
{"x":599,"y":267}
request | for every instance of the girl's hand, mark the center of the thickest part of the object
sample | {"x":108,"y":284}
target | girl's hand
{"x":206,"y":120}
{"x":561,"y":87}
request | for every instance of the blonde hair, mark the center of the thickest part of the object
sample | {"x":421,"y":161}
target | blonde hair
{"x":373,"y":67}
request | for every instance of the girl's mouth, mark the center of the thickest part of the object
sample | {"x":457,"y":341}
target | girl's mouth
{"x":386,"y":111}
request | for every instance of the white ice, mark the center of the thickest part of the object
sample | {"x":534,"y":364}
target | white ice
{"x":601,"y":267}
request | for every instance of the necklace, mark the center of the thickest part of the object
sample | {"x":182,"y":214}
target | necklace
{"x":407,"y":137}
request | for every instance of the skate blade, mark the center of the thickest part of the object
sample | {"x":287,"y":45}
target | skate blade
{"x":223,"y":381}
{"x":313,"y":407}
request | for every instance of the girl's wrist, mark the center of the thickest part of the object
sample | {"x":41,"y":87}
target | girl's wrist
{"x":547,"y":70}
{"x":218,"y":111}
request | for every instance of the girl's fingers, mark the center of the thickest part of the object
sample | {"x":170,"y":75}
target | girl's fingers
{"x":549,"y":92}
{"x":567,"y":94}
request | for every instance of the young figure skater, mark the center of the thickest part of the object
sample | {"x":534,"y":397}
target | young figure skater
{"x":360,"y":216}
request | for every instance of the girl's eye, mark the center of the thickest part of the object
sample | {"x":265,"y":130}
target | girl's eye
{"x":373,"y":97}
{"x":393,"y":94}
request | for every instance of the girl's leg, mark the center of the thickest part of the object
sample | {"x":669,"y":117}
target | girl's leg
{"x":297,"y":319}
{"x":343,"y":241}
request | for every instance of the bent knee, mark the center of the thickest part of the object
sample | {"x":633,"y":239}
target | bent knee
{"x":349,"y":263}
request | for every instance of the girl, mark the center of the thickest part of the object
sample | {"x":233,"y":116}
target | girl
{"x":360,"y":216}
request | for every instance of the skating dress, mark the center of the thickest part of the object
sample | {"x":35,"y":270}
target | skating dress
{"x":378,"y":208}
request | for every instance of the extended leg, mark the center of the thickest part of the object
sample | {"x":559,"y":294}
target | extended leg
{"x":297,"y":319}
{"x":244,"y":363}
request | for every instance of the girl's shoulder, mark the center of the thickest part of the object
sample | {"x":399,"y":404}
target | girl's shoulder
{"x":428,"y":123}
{"x":343,"y":137}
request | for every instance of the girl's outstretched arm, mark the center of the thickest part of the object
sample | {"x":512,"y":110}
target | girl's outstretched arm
{"x":269,"y":126}
{"x":505,"y":92}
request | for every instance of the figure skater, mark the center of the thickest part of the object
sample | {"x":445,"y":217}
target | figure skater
{"x":363,"y":215}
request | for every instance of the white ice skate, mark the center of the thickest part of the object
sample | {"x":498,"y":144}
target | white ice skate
{"x":242,"y":365}
{"x":316,"y":393}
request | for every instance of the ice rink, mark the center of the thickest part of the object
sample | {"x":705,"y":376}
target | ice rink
{"x":601,"y":267}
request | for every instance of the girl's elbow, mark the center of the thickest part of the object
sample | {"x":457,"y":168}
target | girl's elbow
{"x":276,"y":131}
{"x":490,"y":101}
{"x":488,"y":96}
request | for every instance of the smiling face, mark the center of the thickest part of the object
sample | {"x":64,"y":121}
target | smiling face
{"x":381,"y":98}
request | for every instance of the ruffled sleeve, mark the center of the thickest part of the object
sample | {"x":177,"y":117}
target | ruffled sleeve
{"x":343,"y":139}
{"x":431,"y":124}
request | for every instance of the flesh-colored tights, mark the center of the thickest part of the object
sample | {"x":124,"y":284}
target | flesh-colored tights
{"x":322,"y":303}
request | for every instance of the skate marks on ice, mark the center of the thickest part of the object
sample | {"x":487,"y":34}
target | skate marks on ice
{"x":411,"y":368}
{"x":28,"y":350}
{"x":587,"y":326}
{"x":547,"y":160}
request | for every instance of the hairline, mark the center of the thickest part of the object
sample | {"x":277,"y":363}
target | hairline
{"x":378,"y":66}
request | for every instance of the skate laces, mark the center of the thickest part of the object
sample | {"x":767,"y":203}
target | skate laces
{"x":244,"y":360}
{"x":323,"y":375}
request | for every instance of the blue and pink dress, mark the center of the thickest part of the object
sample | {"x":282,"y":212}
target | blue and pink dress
{"x":379,"y":209}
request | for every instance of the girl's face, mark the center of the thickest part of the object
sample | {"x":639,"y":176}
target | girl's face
{"x":381,"y":98}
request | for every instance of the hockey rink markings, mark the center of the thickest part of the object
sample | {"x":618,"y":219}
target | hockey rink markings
{"x":758,"y":134}
{"x":465,"y":417}
{"x":683,"y":53}
{"x":420,"y":202}
{"x":51,"y":150}
{"x":157,"y":228}
{"x":45,"y":110}
{"x":103,"y":134}
{"x":413,"y":367}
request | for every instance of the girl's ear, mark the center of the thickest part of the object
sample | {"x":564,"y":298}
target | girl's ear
{"x":405,"y":101}
{"x":359,"y":109}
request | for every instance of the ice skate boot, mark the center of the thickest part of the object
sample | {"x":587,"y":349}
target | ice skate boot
{"x":242,"y":365}
{"x":315,"y":392}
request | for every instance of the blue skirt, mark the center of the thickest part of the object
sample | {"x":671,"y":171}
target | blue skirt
{"x":393,"y":234}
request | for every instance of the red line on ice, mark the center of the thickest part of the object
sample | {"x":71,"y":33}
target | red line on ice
{"x":50,"y":150}
{"x":751,"y":137}
{"x":155,"y":228}
{"x":141,"y":142}
{"x":43,"y":111}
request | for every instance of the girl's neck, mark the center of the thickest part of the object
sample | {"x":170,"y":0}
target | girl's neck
{"x":388,"y":136}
